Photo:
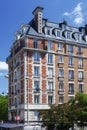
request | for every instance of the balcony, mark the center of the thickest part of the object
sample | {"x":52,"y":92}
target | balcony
{"x":15,"y":52}
{"x":80,"y":66}
{"x":60,"y":64}
{"x":38,"y":49}
{"x":19,"y":48}
{"x":60,"y":77}
{"x":36,"y":61}
{"x":61,"y":91}
{"x":71,"y":92}
{"x":71,"y":65}
{"x":80,"y":79}
{"x":37,"y":90}
{"x":50,"y":76}
{"x":71,"y":78}
{"x":36,"y":75}
{"x":50,"y":91}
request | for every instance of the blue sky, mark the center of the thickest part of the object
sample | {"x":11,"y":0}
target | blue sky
{"x":13,"y":13}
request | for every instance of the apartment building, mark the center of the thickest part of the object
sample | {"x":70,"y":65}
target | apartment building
{"x":47,"y":65}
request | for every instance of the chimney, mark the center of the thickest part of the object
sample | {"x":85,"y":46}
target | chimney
{"x":38,"y":18}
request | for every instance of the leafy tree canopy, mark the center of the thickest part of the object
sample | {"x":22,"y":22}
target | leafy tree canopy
{"x":3,"y":107}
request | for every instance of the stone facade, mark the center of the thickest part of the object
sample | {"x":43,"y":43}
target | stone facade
{"x":46,"y":66}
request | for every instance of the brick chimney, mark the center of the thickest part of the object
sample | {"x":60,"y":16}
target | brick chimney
{"x":38,"y":18}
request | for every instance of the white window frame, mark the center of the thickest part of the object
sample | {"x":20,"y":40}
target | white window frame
{"x":61,"y":72}
{"x":60,"y":46}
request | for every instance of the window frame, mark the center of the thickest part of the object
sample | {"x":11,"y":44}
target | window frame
{"x":49,"y":45}
{"x":35,"y":43}
{"x":60,"y":59}
{"x":61,"y":74}
{"x":36,"y":57}
{"x":81,"y":87}
{"x":71,"y":88}
{"x":70,"y":61}
{"x":50,"y":72}
{"x":50,"y":99}
{"x":36,"y":71}
{"x":36,"y":99}
{"x":60,"y":46}
{"x":71,"y":74}
{"x":70,"y":48}
{"x":50,"y":58}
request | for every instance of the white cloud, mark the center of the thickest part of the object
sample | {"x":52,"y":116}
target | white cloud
{"x":76,"y":15}
{"x":1,"y":74}
{"x":3,"y":65}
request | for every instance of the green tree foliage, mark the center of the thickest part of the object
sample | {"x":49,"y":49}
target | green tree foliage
{"x":81,"y":102}
{"x":3,"y":108}
{"x":66,"y":115}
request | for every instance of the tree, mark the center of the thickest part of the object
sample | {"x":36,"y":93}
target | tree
{"x":66,"y":115}
{"x":48,"y":117}
{"x":3,"y":107}
{"x":81,"y":100}
{"x":57,"y":117}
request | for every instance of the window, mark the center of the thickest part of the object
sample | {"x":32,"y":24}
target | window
{"x":50,"y":58}
{"x":36,"y":98}
{"x":50,"y":86}
{"x":70,"y":61}
{"x":80,"y":62}
{"x":36,"y":71}
{"x":36,"y":56}
{"x":36,"y":84}
{"x":36,"y":114}
{"x":61,"y":99}
{"x":58,"y":33}
{"x":70,"y":48}
{"x":50,"y":72}
{"x":71,"y":74}
{"x":60,"y":59}
{"x":78,"y":37}
{"x":80,"y":75}
{"x":61,"y":86}
{"x":79,"y":49}
{"x":60,"y":46}
{"x":71,"y":88}
{"x":49,"y":45}
{"x":61,"y":72}
{"x":35,"y":43}
{"x":68,"y":35}
{"x":81,"y":87}
{"x":48,"y":31}
{"x":50,"y":99}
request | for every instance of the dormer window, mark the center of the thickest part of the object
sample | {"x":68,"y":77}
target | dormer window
{"x":63,"y":26}
{"x":24,"y":28}
{"x":78,"y":37}
{"x":58,"y":33}
{"x":48,"y":31}
{"x":68,"y":35}
{"x":18,"y":35}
